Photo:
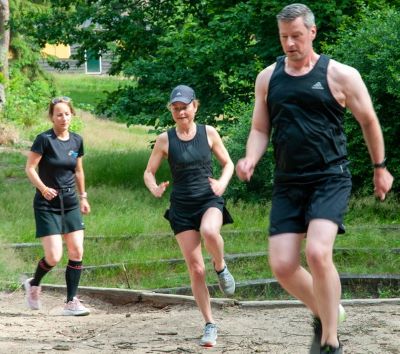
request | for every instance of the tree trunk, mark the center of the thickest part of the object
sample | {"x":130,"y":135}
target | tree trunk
{"x":4,"y":47}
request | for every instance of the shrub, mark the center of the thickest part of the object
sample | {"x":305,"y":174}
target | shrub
{"x":236,"y":133}
{"x":370,"y":44}
{"x":26,"y":99}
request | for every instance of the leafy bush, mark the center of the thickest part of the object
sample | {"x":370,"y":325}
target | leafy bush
{"x":370,"y":44}
{"x":26,"y":99}
{"x":237,"y":128}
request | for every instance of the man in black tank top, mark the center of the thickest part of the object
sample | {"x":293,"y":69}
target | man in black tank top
{"x":300,"y":102}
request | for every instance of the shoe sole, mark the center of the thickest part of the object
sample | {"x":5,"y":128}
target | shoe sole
{"x":208,"y":344}
{"x":69,"y":313}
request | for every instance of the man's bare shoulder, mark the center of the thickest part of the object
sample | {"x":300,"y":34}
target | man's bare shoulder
{"x":263,"y":79}
{"x":266,"y":73}
{"x":340,"y":71}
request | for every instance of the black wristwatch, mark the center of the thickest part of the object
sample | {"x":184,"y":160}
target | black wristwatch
{"x":381,"y":164}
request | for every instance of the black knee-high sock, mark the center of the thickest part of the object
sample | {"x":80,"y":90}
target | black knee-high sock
{"x":72,"y":277}
{"x":41,"y":270}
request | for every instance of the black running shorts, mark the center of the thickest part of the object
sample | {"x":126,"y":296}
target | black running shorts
{"x":294,"y":205}
{"x":54,"y":223}
{"x":190,"y":218}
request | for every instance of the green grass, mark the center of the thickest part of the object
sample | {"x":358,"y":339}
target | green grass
{"x":122,"y":206}
{"x":114,"y":161}
{"x":87,"y":90}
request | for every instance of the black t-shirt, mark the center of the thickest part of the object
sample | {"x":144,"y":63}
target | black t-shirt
{"x":57,"y":167}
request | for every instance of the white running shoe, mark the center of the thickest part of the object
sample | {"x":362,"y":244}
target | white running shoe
{"x":32,"y":295}
{"x":342,"y":314}
{"x":75,"y":308}
{"x":209,"y":338}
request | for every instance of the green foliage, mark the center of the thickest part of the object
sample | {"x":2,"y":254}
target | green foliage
{"x":215,"y":46}
{"x":370,"y":45}
{"x":26,"y":99}
{"x":29,"y":89}
{"x":218,"y":47}
{"x":237,"y":128}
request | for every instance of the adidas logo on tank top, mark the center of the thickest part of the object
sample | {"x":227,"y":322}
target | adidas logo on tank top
{"x":317,"y":86}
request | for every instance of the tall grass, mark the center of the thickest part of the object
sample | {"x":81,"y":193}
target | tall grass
{"x":114,"y":161}
{"x":122,"y":206}
{"x":86,"y":90}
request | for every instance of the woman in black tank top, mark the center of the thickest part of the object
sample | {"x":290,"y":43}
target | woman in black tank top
{"x":196,"y":205}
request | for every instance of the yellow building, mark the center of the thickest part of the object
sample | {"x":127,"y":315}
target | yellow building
{"x":93,"y":63}
{"x":60,"y":51}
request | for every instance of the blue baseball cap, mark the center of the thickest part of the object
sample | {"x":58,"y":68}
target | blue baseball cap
{"x":182,"y":93}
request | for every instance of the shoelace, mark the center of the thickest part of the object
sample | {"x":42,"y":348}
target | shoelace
{"x":209,"y":329}
{"x":225,"y":276}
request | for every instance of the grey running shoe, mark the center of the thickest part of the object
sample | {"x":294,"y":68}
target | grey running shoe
{"x":316,"y":341}
{"x":32,"y":294}
{"x":75,"y":308}
{"x":317,"y":327}
{"x":210,"y":336}
{"x":226,"y":282}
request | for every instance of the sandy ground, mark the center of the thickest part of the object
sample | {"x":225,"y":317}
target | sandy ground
{"x":139,"y":328}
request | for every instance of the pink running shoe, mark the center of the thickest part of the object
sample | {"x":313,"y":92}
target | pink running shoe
{"x":75,"y":308}
{"x":32,"y":295}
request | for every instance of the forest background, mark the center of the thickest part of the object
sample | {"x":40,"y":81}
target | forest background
{"x":217,"y":47}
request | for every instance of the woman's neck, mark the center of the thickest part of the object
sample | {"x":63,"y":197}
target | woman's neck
{"x":187,"y":131}
{"x":61,"y":134}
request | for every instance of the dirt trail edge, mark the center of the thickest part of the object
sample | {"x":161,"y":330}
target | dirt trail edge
{"x":162,"y":326}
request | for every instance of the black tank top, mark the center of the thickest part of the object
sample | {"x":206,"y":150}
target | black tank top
{"x":191,"y":165}
{"x":306,"y":120}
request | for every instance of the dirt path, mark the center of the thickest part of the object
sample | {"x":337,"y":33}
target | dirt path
{"x":140,"y":328}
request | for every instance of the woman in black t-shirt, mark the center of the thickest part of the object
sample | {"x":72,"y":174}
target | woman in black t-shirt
{"x":54,"y":167}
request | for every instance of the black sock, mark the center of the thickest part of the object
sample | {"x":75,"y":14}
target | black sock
{"x":41,"y":270}
{"x":221,"y":270}
{"x":72,"y":277}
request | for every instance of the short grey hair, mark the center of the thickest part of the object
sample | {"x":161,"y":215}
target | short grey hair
{"x":291,"y":12}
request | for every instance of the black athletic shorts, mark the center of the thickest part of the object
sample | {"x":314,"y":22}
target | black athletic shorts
{"x":294,"y":205}
{"x":184,"y":219}
{"x":54,"y":223}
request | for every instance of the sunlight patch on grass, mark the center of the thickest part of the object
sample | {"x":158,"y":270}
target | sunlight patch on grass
{"x":102,"y":134}
{"x":85,"y":89}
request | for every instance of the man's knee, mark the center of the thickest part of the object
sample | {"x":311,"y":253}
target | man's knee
{"x":210,"y":233}
{"x":197,"y":271}
{"x":283,"y":267}
{"x":318,"y":258}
